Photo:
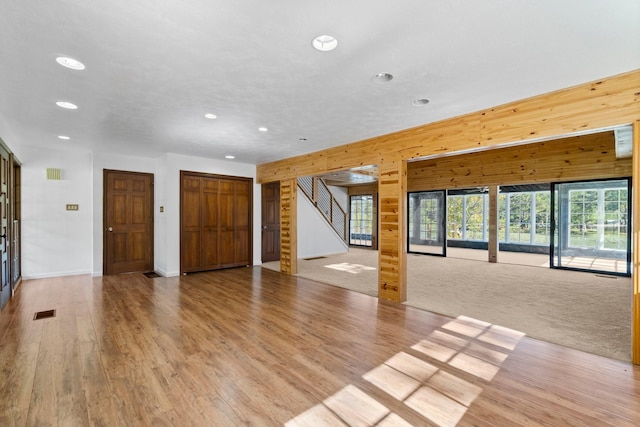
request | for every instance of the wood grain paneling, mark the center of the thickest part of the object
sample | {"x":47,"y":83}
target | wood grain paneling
{"x":392,"y":253}
{"x":215,"y":214}
{"x":289,"y":226}
{"x":356,"y":190}
{"x":567,"y":159}
{"x":635,"y":252}
{"x":128,"y":222}
{"x":608,"y":102}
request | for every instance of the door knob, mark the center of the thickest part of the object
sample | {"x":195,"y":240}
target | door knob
{"x":110,"y":229}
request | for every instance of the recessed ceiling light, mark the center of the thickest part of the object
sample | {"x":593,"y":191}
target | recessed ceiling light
{"x":420,"y":102}
{"x":382,"y":78}
{"x":67,"y":105}
{"x":63,"y":137}
{"x":210,"y":116}
{"x":74,"y":64}
{"x":229,"y":157}
{"x":325,"y":43}
{"x":263,"y":129}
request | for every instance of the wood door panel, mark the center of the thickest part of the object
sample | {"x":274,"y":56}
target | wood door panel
{"x":191,"y":250}
{"x":120,"y":184}
{"x":119,"y":247}
{"x":210,"y":185}
{"x":128,"y":221}
{"x":138,"y":246}
{"x":210,"y":249}
{"x":227,"y":247}
{"x":241,"y":256}
{"x":119,"y":206}
{"x":227,"y":209}
{"x":191,"y":212}
{"x":210,"y":212}
{"x":138,"y":209}
{"x":222,"y":207}
{"x":138,"y":186}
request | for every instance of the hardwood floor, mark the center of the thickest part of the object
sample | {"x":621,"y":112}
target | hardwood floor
{"x":250,"y":346}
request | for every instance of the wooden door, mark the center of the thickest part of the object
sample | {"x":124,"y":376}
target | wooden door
{"x":215,"y":222}
{"x":5,"y":232}
{"x":128,"y":222}
{"x":271,"y":222}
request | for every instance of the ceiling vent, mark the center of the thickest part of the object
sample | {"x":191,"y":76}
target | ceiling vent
{"x":624,"y":142}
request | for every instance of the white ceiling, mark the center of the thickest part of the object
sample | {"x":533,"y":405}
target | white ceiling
{"x":155,"y":67}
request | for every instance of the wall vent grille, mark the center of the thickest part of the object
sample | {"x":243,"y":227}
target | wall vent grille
{"x":54,"y":174}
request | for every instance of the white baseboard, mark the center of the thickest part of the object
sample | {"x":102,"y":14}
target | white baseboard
{"x":55,"y":274}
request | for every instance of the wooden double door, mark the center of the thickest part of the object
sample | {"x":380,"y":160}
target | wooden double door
{"x":215,"y":221}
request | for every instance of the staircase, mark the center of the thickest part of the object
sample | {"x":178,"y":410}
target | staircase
{"x":319,"y":194}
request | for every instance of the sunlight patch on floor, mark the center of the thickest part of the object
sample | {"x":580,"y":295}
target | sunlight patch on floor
{"x":350,"y":268}
{"x":462,"y":347}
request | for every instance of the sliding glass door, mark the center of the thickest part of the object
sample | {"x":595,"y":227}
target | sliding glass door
{"x":591,"y":226}
{"x":427,"y":222}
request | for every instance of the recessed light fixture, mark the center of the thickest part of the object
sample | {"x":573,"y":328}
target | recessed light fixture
{"x":65,"y":137}
{"x":382,"y":78}
{"x":229,"y":157}
{"x":325,"y":43}
{"x":67,"y":105}
{"x":74,"y":64}
{"x":263,"y":129}
{"x":210,"y":116}
{"x":420,"y":102}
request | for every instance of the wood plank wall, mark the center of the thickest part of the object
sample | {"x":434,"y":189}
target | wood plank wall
{"x":567,"y":159}
{"x":612,"y":101}
{"x":289,"y":226}
{"x":392,"y":251}
{"x":635,"y":274}
{"x":605,"y":103}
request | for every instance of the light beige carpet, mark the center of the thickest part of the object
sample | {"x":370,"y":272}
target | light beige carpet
{"x":584,"y":311}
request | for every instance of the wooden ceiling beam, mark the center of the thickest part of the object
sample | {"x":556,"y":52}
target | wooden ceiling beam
{"x":605,"y":103}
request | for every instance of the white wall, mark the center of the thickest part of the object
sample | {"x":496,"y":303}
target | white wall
{"x":166,"y":170}
{"x":315,"y":236}
{"x":55,"y":242}
{"x":9,"y":139}
{"x":342,"y":196}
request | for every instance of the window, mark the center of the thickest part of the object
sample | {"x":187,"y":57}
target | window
{"x":361,"y":220}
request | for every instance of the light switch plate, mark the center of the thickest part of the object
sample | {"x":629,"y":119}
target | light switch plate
{"x":72,"y":207}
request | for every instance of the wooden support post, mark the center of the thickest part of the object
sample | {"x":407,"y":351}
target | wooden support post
{"x":289,"y":226}
{"x":392,"y":253}
{"x":493,"y":224}
{"x":635,"y":239}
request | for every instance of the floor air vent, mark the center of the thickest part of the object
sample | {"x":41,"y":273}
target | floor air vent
{"x":44,"y":314}
{"x":152,"y":275}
